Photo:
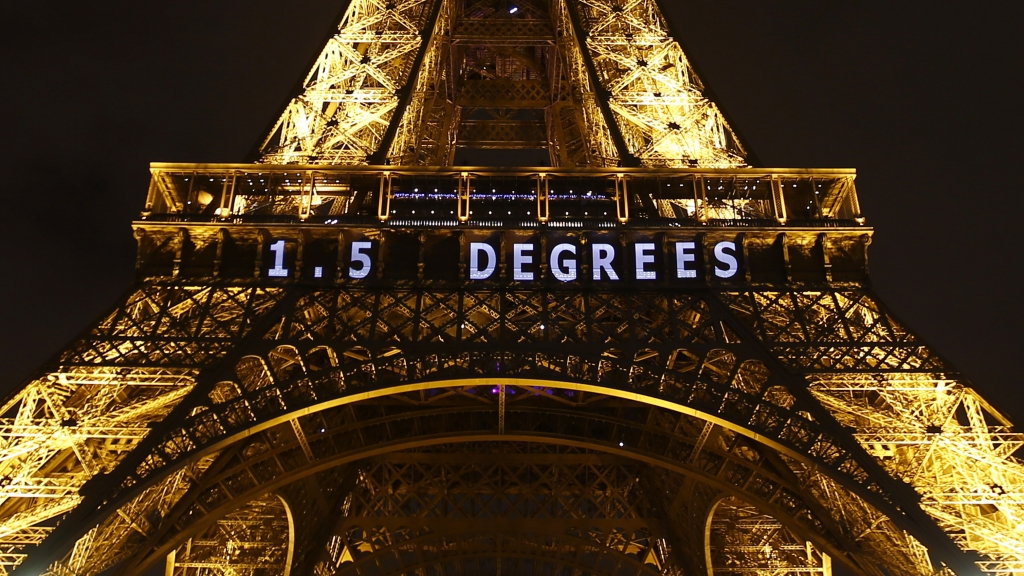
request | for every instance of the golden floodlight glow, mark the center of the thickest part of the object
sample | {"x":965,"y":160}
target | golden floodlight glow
{"x":645,"y":357}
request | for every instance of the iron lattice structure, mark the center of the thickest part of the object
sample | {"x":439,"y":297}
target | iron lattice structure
{"x":644,"y":359}
{"x":596,"y":82}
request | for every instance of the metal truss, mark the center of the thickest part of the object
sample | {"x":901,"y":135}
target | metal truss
{"x":111,"y":542}
{"x":655,"y":96}
{"x":558,"y":510}
{"x":916,"y":416}
{"x":433,"y":335}
{"x":79,"y":418}
{"x":746,"y":541}
{"x":276,"y":457}
{"x":581,"y":125}
{"x":427,"y":129}
{"x":254,"y":539}
{"x":874,"y":533}
{"x":531,"y":487}
{"x":406,"y":82}
{"x":327,"y":345}
{"x":677,"y":349}
{"x":293,"y":451}
{"x":352,"y":92}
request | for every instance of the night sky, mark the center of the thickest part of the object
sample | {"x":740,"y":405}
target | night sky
{"x":922,"y":99}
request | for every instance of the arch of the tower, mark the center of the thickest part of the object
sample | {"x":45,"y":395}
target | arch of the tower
{"x":576,"y":493}
{"x":678,"y":350}
{"x":331,"y":460}
{"x":663,"y":380}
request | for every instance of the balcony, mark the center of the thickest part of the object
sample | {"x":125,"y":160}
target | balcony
{"x":512,"y":197}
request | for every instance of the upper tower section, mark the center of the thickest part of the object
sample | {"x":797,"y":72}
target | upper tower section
{"x":592,"y":83}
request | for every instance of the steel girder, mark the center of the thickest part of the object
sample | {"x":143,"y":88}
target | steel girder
{"x":397,"y":83}
{"x":78,"y":417}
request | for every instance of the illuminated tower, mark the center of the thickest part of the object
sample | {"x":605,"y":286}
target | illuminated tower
{"x":646,"y":357}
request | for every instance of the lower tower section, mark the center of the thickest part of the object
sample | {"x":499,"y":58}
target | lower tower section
{"x":387,"y":370}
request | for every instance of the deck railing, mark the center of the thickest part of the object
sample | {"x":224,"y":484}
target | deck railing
{"x":515,"y":196}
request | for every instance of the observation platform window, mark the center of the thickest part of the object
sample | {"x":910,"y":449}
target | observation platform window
{"x":737,"y":199}
{"x":424,"y":197}
{"x":582,"y":198}
{"x":503,"y":198}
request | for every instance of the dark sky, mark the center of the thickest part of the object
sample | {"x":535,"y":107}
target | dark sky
{"x":923,"y":99}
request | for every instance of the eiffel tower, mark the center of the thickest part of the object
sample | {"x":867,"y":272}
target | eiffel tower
{"x":643,"y":357}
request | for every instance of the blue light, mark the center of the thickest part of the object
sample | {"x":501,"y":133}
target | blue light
{"x":513,"y":10}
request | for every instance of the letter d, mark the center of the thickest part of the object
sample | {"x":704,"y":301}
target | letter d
{"x":475,"y":272}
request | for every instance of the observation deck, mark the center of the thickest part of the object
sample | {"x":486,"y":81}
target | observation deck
{"x":787,"y":225}
{"x":502,"y":197}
